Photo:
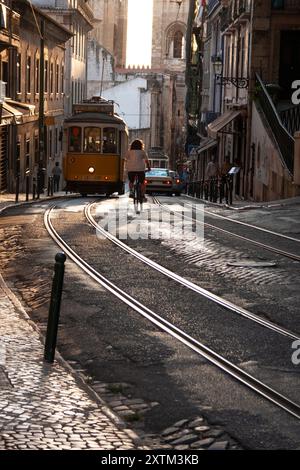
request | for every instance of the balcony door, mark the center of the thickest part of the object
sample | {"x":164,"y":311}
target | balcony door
{"x":289,"y":70}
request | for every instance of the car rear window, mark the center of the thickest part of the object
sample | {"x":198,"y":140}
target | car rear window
{"x":158,"y":173}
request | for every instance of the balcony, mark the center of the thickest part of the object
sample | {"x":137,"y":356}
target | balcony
{"x":9,"y":28}
{"x":234,"y":13}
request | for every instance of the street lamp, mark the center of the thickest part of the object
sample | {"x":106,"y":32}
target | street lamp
{"x":238,"y":82}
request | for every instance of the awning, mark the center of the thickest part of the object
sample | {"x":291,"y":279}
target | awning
{"x":206,"y":145}
{"x":218,"y":124}
{"x":25,"y":109}
{"x":13,"y":112}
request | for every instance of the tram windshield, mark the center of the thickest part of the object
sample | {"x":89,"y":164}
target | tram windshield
{"x":110,"y":140}
{"x":92,"y":140}
{"x":75,"y":139}
{"x":95,"y":140}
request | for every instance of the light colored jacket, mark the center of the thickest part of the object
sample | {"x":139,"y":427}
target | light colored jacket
{"x":136,"y":160}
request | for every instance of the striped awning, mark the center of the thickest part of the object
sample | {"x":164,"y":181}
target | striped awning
{"x":218,"y":124}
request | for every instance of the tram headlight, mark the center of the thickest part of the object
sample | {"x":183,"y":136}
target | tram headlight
{"x":91,"y":170}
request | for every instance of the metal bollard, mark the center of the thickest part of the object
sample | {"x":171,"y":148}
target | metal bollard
{"x":27,"y":184}
{"x":33,"y":188}
{"x":17,"y":188}
{"x":54,"y":308}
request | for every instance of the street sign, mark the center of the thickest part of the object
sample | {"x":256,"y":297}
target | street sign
{"x":234,"y":170}
{"x":193,"y":152}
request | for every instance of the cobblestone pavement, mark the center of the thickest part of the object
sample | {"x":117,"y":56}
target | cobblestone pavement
{"x":42,"y":406}
{"x":8,"y":199}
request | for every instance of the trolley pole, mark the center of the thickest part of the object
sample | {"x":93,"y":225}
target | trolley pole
{"x":54,"y":308}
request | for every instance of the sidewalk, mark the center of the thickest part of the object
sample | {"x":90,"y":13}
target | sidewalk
{"x":8,"y":199}
{"x":240,"y":205}
{"x":45,"y":406}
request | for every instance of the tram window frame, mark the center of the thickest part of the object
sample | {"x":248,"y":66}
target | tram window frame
{"x":71,"y":147}
{"x":111,"y":147}
{"x":97,"y":148}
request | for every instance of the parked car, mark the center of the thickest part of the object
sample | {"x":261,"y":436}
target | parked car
{"x":161,"y":180}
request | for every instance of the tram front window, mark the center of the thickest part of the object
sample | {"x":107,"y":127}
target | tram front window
{"x":92,"y":140}
{"x":110,"y":140}
{"x":75,"y":139}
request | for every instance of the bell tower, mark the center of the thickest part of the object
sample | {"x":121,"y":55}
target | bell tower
{"x":168,"y":35}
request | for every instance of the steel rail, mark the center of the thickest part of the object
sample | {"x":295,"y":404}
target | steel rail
{"x":286,"y":254}
{"x":186,"y":283}
{"x":240,"y":375}
{"x":255,"y":227}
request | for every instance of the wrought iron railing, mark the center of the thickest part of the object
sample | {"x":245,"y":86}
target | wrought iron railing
{"x":284,"y":139}
{"x":290,"y":118}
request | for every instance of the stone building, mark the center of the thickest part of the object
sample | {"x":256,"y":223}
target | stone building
{"x":161,"y":100}
{"x":106,"y":44}
{"x":21,"y":31}
{"x":77,"y":16}
{"x":250,"y":62}
{"x":168,"y":89}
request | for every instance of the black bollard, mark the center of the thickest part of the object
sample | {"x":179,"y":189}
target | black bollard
{"x":17,"y":187}
{"x":54,"y":308}
{"x":27,"y":184}
{"x":33,"y":188}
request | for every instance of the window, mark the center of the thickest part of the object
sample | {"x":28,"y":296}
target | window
{"x":92,"y":139}
{"x":28,"y":74}
{"x":62,"y":81}
{"x":19,"y":73}
{"x":57,"y":78}
{"x":51,"y":77}
{"x":46,"y":76}
{"x":50,"y":154}
{"x":37,"y":75}
{"x":56,"y":141}
{"x":75,"y":139}
{"x":278,"y":4}
{"x":178,"y":39}
{"x":36,"y":149}
{"x":27,"y":154}
{"x":110,"y":140}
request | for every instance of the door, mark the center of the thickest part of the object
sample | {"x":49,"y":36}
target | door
{"x":289,"y":69}
{"x":3,"y":158}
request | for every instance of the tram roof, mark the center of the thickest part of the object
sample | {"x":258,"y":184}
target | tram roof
{"x":95,"y":117}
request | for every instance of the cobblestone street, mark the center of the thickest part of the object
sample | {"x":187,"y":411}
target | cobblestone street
{"x":42,"y":406}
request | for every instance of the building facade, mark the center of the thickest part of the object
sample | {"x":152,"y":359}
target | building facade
{"x":250,"y":63}
{"x":77,"y":16}
{"x":24,"y":26}
{"x":168,"y":123}
{"x":106,"y":44}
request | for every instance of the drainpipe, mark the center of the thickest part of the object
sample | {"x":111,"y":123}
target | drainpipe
{"x":249,"y":113}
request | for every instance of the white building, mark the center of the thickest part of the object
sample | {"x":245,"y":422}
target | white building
{"x":133,"y":102}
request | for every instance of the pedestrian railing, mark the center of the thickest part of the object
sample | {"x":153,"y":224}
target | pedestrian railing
{"x":284,"y":139}
{"x":213,"y":190}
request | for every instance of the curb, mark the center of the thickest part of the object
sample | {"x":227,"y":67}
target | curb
{"x":32,"y":201}
{"x":77,"y":376}
{"x":225,"y":206}
{"x":265,"y":205}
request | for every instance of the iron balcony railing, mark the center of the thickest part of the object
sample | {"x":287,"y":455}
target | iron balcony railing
{"x":284,"y":139}
{"x":290,"y":118}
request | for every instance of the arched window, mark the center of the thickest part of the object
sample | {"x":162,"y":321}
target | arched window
{"x":178,"y":39}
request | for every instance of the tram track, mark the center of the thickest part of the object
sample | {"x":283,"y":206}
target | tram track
{"x":286,"y":254}
{"x":243,"y":377}
{"x":186,"y":283}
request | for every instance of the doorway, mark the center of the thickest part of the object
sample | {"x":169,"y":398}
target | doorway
{"x":289,"y":69}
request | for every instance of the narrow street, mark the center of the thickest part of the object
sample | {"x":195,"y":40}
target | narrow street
{"x":149,"y":378}
{"x":149,"y":231}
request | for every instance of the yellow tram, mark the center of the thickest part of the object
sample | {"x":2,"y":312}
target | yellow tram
{"x":95,"y":143}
